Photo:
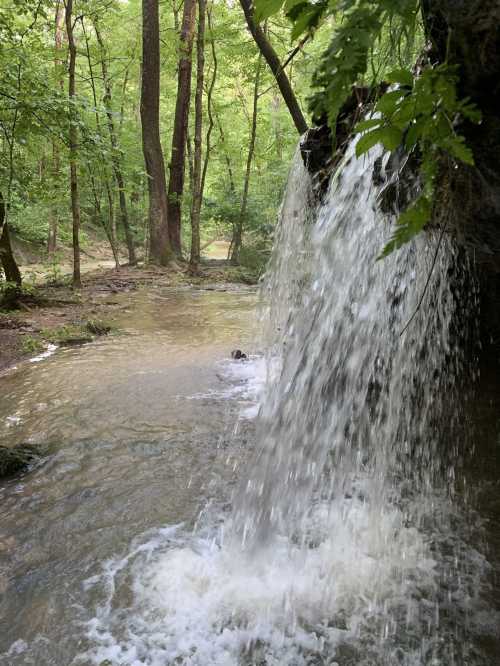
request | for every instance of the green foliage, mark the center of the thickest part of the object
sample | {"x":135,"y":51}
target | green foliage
{"x":31,"y":345}
{"x":35,"y":117}
{"x":423,"y":113}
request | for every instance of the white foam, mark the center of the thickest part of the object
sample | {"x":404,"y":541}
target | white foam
{"x":202,"y":601}
{"x":50,"y":349}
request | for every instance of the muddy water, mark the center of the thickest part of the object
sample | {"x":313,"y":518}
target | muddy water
{"x":138,"y":429}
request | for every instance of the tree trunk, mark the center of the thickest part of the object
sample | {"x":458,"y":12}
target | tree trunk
{"x":227,"y":158}
{"x":73,"y":147}
{"x":177,"y":158}
{"x":237,"y":239}
{"x":160,"y":249}
{"x":274,"y":63}
{"x":115,"y":154}
{"x":56,"y":160}
{"x":110,"y":228}
{"x":10,"y":268}
{"x":198,"y":147}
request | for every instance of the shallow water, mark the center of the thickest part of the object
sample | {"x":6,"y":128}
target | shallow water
{"x":138,"y":427}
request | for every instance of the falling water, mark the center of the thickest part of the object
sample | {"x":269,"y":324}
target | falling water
{"x":345,"y":544}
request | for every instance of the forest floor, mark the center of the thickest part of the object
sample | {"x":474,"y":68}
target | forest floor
{"x":55,"y":314}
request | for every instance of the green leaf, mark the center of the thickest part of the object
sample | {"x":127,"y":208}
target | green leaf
{"x":266,"y":8}
{"x":410,"y":223}
{"x":460,"y":150}
{"x":402,"y":76}
{"x":367,"y":141}
{"x":414,"y":133}
{"x":367,"y":124}
{"x":391,"y":137}
{"x":388,"y":103}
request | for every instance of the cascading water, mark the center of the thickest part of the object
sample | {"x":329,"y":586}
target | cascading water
{"x":342,"y":546}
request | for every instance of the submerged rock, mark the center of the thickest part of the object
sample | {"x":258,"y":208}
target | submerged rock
{"x":16,"y":459}
{"x":238,"y":355}
{"x":97,"y":327}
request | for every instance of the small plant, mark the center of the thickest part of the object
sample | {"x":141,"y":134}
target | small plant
{"x":69,"y":334}
{"x":31,"y":345}
{"x":53,"y":266}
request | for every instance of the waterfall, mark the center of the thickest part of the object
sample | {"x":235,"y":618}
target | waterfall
{"x":357,"y":404}
{"x":344,"y":545}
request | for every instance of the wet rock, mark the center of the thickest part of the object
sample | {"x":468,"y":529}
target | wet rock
{"x":97,"y":327}
{"x":16,"y":459}
{"x":322,"y":150}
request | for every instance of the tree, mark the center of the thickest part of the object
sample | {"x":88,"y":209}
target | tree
{"x":110,"y":227}
{"x":73,"y":146}
{"x":56,"y":158}
{"x":237,"y":239}
{"x":115,"y":152}
{"x":160,"y":249}
{"x":177,"y":157}
{"x":9,"y":264}
{"x":274,"y":63}
{"x":198,"y":127}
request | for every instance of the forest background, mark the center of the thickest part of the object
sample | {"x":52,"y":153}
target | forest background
{"x":248,"y":137}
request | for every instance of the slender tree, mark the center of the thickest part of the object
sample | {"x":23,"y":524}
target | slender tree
{"x":272,"y":59}
{"x":56,"y":158}
{"x":177,"y":158}
{"x":198,"y":147}
{"x":115,"y":152}
{"x":237,"y":239}
{"x":160,"y":249}
{"x":110,"y":226}
{"x":73,"y":146}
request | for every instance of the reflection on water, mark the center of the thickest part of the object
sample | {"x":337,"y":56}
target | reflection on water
{"x":137,"y":427}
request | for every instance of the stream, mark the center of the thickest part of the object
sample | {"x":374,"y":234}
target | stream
{"x":140,"y":429}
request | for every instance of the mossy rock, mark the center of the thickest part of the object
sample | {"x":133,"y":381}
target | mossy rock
{"x":98,"y":327}
{"x":16,"y":459}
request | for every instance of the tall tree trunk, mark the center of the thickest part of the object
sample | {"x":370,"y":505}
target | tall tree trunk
{"x":56,"y":160}
{"x":198,"y":141}
{"x":210,"y":109}
{"x":274,"y":63}
{"x":110,"y":228}
{"x":73,"y":146}
{"x":227,"y":158}
{"x":160,"y":249}
{"x":10,"y":268}
{"x":115,"y":153}
{"x":237,"y":239}
{"x":177,"y":158}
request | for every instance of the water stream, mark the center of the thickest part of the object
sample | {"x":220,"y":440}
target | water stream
{"x":316,"y":504}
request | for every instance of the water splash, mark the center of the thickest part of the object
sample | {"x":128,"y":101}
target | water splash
{"x":344,"y":545}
